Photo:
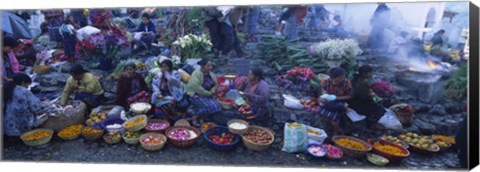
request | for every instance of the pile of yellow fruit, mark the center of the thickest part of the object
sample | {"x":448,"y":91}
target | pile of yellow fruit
{"x":388,"y":149}
{"x":36,"y":135}
{"x":96,"y":118}
{"x":424,"y":142}
{"x":352,"y":144}
{"x":71,"y":131}
{"x":392,"y":139}
{"x":133,"y":123}
{"x":313,"y":132}
{"x":90,"y":130}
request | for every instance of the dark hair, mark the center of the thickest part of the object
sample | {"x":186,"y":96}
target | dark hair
{"x":44,"y":27}
{"x":67,"y":20}
{"x":10,"y":42}
{"x":169,"y":63}
{"x":9,"y":87}
{"x":132,"y":65}
{"x":77,"y":69}
{"x":203,"y":62}
{"x":146,"y":16}
{"x":361,"y":72}
{"x":336,"y":72}
{"x":258,"y":73}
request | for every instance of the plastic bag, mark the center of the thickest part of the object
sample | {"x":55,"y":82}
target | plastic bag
{"x":137,"y":36}
{"x":115,"y":111}
{"x":295,"y":138}
{"x":292,"y":102}
{"x":316,"y":135}
{"x":390,"y":120}
{"x":354,"y":116}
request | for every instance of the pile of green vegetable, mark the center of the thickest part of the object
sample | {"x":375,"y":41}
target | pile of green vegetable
{"x":456,"y":86}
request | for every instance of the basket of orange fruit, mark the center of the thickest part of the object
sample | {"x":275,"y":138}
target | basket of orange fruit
{"x":37,"y":137}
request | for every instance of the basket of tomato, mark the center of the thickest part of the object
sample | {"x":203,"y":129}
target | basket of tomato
{"x":220,"y":138}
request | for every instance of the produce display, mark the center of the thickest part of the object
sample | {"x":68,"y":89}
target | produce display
{"x":447,"y":139}
{"x":112,"y":135}
{"x":388,"y":149}
{"x":377,"y":159}
{"x":258,"y":136}
{"x":392,"y":139}
{"x":131,"y":135}
{"x":90,"y":130}
{"x":135,"y":122}
{"x":311,"y":105}
{"x":36,"y":135}
{"x":151,"y":140}
{"x":316,"y":150}
{"x":332,"y":151}
{"x":153,"y":126}
{"x":237,"y":126}
{"x":70,"y":131}
{"x":310,"y":131}
{"x":352,"y":144}
{"x":424,"y":142}
{"x":182,"y":134}
{"x":96,"y":117}
{"x":222,"y":139}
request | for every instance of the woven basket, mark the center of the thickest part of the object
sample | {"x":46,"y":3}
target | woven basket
{"x":183,"y":143}
{"x":41,"y":70}
{"x":153,"y":147}
{"x":352,"y":152}
{"x":92,"y":137}
{"x":141,"y":111}
{"x":405,"y":118}
{"x":112,"y":141}
{"x":38,"y":141}
{"x":182,"y":122}
{"x":63,"y":121}
{"x":235,"y":131}
{"x":130,"y":141}
{"x":70,"y":137}
{"x":331,"y":157}
{"x":137,"y":127}
{"x":255,"y":146}
{"x":157,"y":121}
{"x":225,"y":105}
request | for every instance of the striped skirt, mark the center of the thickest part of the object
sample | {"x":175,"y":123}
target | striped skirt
{"x":334,"y":111}
{"x":205,"y":105}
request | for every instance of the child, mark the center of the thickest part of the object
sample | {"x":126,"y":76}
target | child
{"x":67,"y":30}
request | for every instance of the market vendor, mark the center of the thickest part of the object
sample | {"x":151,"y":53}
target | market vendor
{"x":148,"y":31}
{"x":68,"y":32}
{"x":131,"y":87}
{"x":363,"y":101}
{"x":293,"y":16}
{"x":256,"y":92}
{"x":85,"y":87}
{"x":10,"y":63}
{"x":340,"y":87}
{"x":201,"y":87}
{"x":211,"y":16}
{"x":21,"y":107}
{"x":168,"y":91}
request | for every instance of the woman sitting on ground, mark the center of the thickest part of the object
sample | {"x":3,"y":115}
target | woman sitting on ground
{"x":131,"y":87}
{"x":201,"y":88}
{"x":256,"y":92}
{"x":168,"y":91}
{"x":21,"y":106}
{"x":85,"y":87}
{"x":335,"y":109}
{"x":363,"y":101}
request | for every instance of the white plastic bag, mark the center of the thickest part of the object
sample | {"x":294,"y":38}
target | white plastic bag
{"x":314,"y":138}
{"x":137,"y":36}
{"x":295,"y":138}
{"x":354,"y":116}
{"x":390,"y":120}
{"x":292,"y":102}
{"x":86,"y":31}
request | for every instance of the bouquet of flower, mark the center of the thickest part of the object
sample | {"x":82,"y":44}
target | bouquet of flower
{"x":193,"y":46}
{"x":383,"y":89}
{"x":105,"y":45}
{"x":336,"y":49}
{"x":100,"y":18}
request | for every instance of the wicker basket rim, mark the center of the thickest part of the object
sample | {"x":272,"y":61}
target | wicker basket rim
{"x":416,"y":147}
{"x":163,"y":137}
{"x":394,"y":145}
{"x":133,"y":119}
{"x":261,"y":128}
{"x":34,"y":131}
{"x":369,"y":147}
{"x":196,"y":130}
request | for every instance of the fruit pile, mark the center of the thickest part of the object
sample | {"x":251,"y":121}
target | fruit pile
{"x":36,"y":135}
{"x":392,"y":139}
{"x":182,"y":134}
{"x":447,"y":139}
{"x":416,"y":140}
{"x":352,"y":144}
{"x":332,"y":151}
{"x":154,"y":126}
{"x":90,"y":130}
{"x":131,"y":135}
{"x":133,"y":123}
{"x":310,"y":131}
{"x":388,"y":149}
{"x":96,"y":117}
{"x":113,"y":136}
{"x":70,"y":131}
{"x":311,"y":105}
{"x":316,"y":150}
{"x":258,"y":136}
{"x":223,"y":139}
{"x":152,"y":140}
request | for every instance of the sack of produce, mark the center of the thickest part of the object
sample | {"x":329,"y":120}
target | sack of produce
{"x":295,"y":138}
{"x":316,"y":135}
{"x":292,"y":102}
{"x":390,"y":120}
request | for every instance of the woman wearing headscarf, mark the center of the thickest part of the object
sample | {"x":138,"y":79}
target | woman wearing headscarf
{"x":256,"y":92}
{"x":201,"y":88}
{"x":131,"y":87}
